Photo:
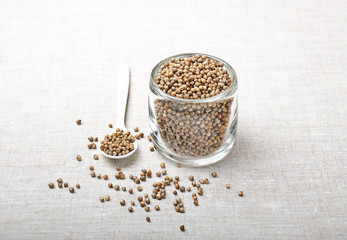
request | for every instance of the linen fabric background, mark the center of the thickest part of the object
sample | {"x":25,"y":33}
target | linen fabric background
{"x":59,"y":62}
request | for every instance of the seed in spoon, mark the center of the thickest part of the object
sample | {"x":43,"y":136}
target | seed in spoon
{"x":118,"y":143}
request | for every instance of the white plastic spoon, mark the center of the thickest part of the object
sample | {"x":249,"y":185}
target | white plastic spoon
{"x":122,"y":98}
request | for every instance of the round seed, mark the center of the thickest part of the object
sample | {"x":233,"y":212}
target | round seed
{"x":189,"y":189}
{"x":157,"y":207}
{"x":92,"y":174}
{"x":116,"y":187}
{"x":139,"y":188}
{"x":227,"y":186}
{"x":110,"y":185}
{"x":174,"y":192}
{"x":66,"y":184}
{"x":142,"y":204}
{"x":130,"y":191}
{"x":162,"y":165}
{"x":122,"y":202}
{"x":102,"y":199}
{"x":91,"y":168}
{"x":147,"y":209}
{"x":98,"y":175}
{"x":207,"y":181}
{"x":96,"y":139}
{"x":59,"y":180}
{"x":149,"y":138}
{"x":105,"y":177}
{"x":158,"y":174}
{"x":118,"y":168}
{"x":148,"y":219}
{"x":182,"y":189}
{"x":182,"y":210}
{"x":51,"y":185}
{"x":191,"y":178}
{"x":79,"y":158}
{"x":136,"y":129}
{"x":130,"y":209}
{"x":140,"y":199}
{"x":110,"y":125}
{"x":214,"y":174}
{"x":201,"y":181}
{"x":147,"y":200}
{"x":151,"y":148}
{"x":182,"y":228}
{"x":124,"y":189}
{"x":163,"y":172}
{"x":107,"y":198}
{"x":142,"y":135}
{"x":78,"y":186}
{"x":132,"y":203}
{"x":240,"y":193}
{"x":79,"y":121}
{"x":178,"y":165}
{"x":60,"y":185}
{"x":96,"y":157}
{"x":91,"y":139}
{"x":72,"y":190}
{"x":196,"y":203}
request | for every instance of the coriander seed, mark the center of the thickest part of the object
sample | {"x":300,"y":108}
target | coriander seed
{"x":60,"y":185}
{"x":139,"y":188}
{"x":178,"y":165}
{"x":182,"y":228}
{"x":96,"y":139}
{"x":79,"y":121}
{"x":130,"y":209}
{"x":196,"y":203}
{"x":174,"y":192}
{"x":91,"y":168}
{"x":66,"y":184}
{"x":162,"y":165}
{"x":132,"y":203}
{"x":130,"y":191}
{"x":227,"y":186}
{"x":107,"y":198}
{"x":78,"y":186}
{"x":158,"y":174}
{"x":157,"y":207}
{"x":91,"y":139}
{"x":124,"y":189}
{"x":148,"y":219}
{"x":98,"y":175}
{"x":240,"y":193}
{"x":79,"y":158}
{"x":151,"y":148}
{"x":214,"y":174}
{"x":110,"y":125}
{"x":92,"y":174}
{"x":72,"y":190}
{"x":51,"y":185}
{"x":59,"y":180}
{"x":110,"y":185}
{"x":191,"y":178}
{"x":96,"y":157}
{"x":142,"y":204}
{"x":147,"y":209}
{"x":102,"y":199}
{"x":149,"y":138}
{"x":105,"y":177}
{"x":122,"y":202}
{"x":116,"y":187}
{"x":136,"y":129}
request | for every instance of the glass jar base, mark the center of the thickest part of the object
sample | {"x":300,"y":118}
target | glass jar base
{"x":202,"y":161}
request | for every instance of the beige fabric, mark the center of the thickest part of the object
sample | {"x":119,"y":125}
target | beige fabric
{"x":58,"y":63}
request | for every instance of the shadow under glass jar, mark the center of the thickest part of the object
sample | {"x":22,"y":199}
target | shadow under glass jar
{"x":194,"y":132}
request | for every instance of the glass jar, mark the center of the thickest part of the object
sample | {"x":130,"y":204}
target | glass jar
{"x":194,"y":132}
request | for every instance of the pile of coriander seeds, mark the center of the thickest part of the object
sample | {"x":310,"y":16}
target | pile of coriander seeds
{"x":193,"y":129}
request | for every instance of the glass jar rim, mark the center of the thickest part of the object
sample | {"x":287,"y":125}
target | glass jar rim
{"x":227,"y":92}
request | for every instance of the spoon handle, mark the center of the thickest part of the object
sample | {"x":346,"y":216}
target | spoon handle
{"x":122,"y":94}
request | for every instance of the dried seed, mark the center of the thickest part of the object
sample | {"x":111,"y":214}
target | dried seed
{"x":66,"y":184}
{"x":60,"y":185}
{"x":139,"y":188}
{"x":130,"y":191}
{"x":147,"y":200}
{"x":130,"y":209}
{"x":93,"y":145}
{"x":147,"y":209}
{"x":110,"y":125}
{"x":163,"y":172}
{"x":175,"y":203}
{"x":116,"y":187}
{"x":110,"y":185}
{"x":240,"y":193}
{"x":189,"y":189}
{"x":174,"y":192}
{"x":178,"y":165}
{"x":200,"y":192}
{"x":148,"y":219}
{"x":182,"y":189}
{"x":151,"y":148}
{"x":227,"y":186}
{"x":140,"y":199}
{"x":196,"y":203}
{"x":122,"y":176}
{"x":131,"y":176}
{"x":98,"y":175}
{"x":91,"y":168}
{"x":124,"y":189}
{"x":142,"y":204}
{"x":102,"y":199}
{"x":96,"y":157}
{"x":149,"y":138}
{"x":107,"y":198}
{"x":137,"y":181}
{"x":207,"y":181}
{"x":118,"y":168}
{"x":158,"y":174}
{"x":91,"y":139}
{"x":162,"y":165}
{"x":149,"y":173}
{"x":142,"y":135}
{"x":59,"y":180}
{"x":194,"y":184}
{"x":182,"y":228}
{"x":96,"y":139}
{"x":201,"y":181}
{"x":51,"y":185}
{"x":122,"y":202}
{"x":132,"y":203}
{"x":157,"y":207}
{"x":105,"y":177}
{"x":191,"y":178}
{"x":214,"y":174}
{"x":79,"y":121}
{"x":72,"y":190}
{"x":136,"y":129}
{"x":92,"y":174}
{"x":182,"y":210}
{"x":137,"y":136}
{"x":177,"y":178}
{"x":78,"y":186}
{"x":79,"y":158}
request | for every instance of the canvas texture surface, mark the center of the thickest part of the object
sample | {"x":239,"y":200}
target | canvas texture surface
{"x":59,"y":62}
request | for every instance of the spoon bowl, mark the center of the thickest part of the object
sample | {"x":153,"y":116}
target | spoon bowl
{"x":122,"y":98}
